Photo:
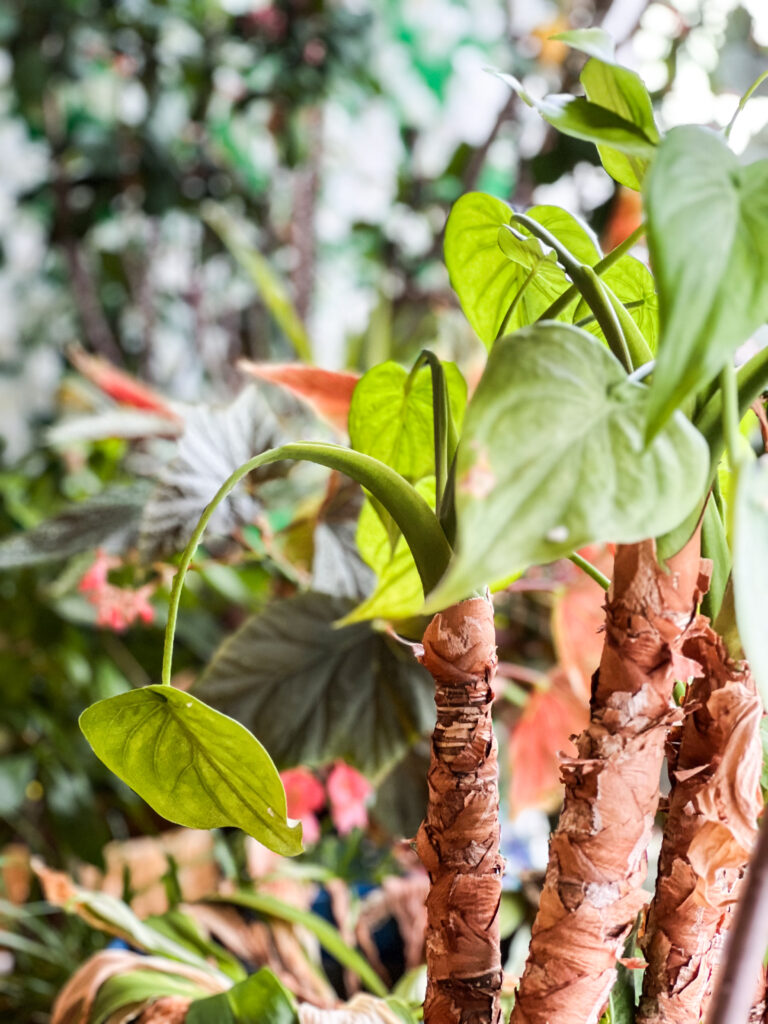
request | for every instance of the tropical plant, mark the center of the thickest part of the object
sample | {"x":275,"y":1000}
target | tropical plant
{"x":603,"y":414}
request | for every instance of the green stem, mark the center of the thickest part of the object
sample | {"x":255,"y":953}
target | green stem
{"x":751,"y":381}
{"x":743,"y":102}
{"x":731,"y":417}
{"x":442,"y":423}
{"x":590,"y":570}
{"x":564,"y":300}
{"x":415,"y":519}
{"x":588,"y":283}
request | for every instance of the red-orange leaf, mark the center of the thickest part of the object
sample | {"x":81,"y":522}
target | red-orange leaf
{"x":550,"y":719}
{"x":327,"y":392}
{"x":119,"y":385}
{"x":577,"y":621}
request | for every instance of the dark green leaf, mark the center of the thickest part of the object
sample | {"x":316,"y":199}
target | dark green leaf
{"x":313,"y":692}
{"x":488,"y":282}
{"x":214,"y":443}
{"x":622,"y":91}
{"x":401,"y":796}
{"x":552,"y":458}
{"x":337,"y":567}
{"x":750,"y":558}
{"x":708,"y":237}
{"x":109,"y":520}
{"x":260,"y":999}
{"x":192,"y":764}
{"x":390,"y":417}
{"x":328,"y":936}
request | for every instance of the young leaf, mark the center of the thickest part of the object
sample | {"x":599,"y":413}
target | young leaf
{"x":632,"y":284}
{"x":398,"y":593}
{"x":136,"y":989}
{"x":488,"y":282}
{"x":593,"y":41}
{"x":552,"y":458}
{"x":708,"y":238}
{"x":260,"y":999}
{"x":390,"y":417}
{"x":622,"y":91}
{"x":313,"y":692}
{"x":191,"y":764}
{"x":582,"y":119}
{"x":750,"y":556}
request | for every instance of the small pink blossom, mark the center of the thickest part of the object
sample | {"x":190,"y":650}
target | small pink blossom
{"x":348,"y":791}
{"x":305,"y":795}
{"x":116,"y":607}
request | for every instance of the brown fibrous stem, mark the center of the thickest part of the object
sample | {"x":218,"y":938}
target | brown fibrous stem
{"x":714,"y":759}
{"x":459,"y":841}
{"x":597,"y":857}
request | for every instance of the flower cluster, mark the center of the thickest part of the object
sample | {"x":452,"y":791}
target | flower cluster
{"x":347,"y":792}
{"x":116,"y":607}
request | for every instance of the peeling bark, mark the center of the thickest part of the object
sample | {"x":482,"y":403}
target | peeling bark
{"x":715,"y":760}
{"x":597,"y":857}
{"x":459,"y":841}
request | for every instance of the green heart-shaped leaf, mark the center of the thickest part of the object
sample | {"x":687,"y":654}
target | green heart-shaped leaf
{"x":750,"y":556}
{"x":552,"y":458}
{"x":708,"y":238}
{"x":191,"y":764}
{"x":390,"y":417}
{"x":632,"y":284}
{"x":489,"y":280}
{"x":618,"y":89}
{"x":583,"y":119}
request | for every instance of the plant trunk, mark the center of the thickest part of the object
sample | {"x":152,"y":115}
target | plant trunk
{"x":459,"y":841}
{"x":597,"y":856}
{"x":715,"y":760}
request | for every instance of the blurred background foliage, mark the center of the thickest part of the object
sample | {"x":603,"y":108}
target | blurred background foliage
{"x":186,"y":183}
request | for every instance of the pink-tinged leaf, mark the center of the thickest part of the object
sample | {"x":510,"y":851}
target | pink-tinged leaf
{"x":577,"y":622}
{"x":327,"y":392}
{"x":119,"y":385}
{"x":550,"y":719}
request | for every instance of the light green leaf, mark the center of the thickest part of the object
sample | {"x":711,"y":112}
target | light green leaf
{"x":594,"y":41}
{"x":552,"y":458}
{"x":708,"y":237}
{"x":622,"y":91}
{"x":582,"y":119}
{"x":313,"y":692}
{"x":513,"y":288}
{"x":191,"y":764}
{"x":750,"y":557}
{"x":328,"y":936}
{"x":714,"y":545}
{"x":137,"y":989}
{"x":632,"y":284}
{"x":260,"y":999}
{"x":398,"y":593}
{"x":390,"y":417}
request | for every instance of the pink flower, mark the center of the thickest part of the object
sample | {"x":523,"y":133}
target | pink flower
{"x":116,"y":607}
{"x":348,"y":791}
{"x":305,"y":795}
